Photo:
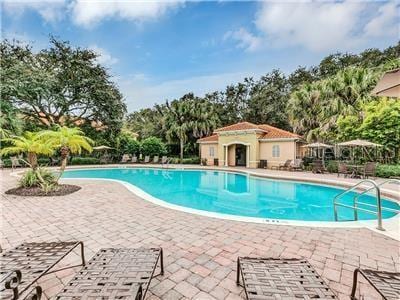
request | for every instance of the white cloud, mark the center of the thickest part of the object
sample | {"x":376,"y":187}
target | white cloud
{"x":105,"y":57}
{"x":50,"y":11}
{"x":385,"y":23}
{"x":88,"y":13}
{"x":140,"y":91}
{"x":246,"y":39}
{"x":320,"y":26}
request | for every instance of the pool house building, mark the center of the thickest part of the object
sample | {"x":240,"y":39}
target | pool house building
{"x":249,"y":145}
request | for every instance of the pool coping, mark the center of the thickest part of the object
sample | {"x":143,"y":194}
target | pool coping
{"x":391,"y":224}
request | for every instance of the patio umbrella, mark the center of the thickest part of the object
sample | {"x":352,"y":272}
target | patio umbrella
{"x":388,"y":85}
{"x":102,"y":147}
{"x":358,"y":143}
{"x":318,"y":146}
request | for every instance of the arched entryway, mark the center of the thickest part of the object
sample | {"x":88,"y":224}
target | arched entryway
{"x":237,"y":154}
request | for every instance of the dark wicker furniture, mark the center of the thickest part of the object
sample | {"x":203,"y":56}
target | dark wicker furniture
{"x":387,"y":284}
{"x":273,"y":278}
{"x":23,"y":265}
{"x":115,"y":274}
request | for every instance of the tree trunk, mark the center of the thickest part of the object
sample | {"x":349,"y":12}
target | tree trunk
{"x":32,"y":159}
{"x":182,"y":145}
{"x":64,"y":160}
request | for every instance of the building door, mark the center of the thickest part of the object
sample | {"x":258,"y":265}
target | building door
{"x":240,"y":155}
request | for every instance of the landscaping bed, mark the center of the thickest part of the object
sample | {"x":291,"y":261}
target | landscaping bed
{"x":60,"y":190}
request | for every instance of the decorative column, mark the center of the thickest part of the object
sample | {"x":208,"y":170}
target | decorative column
{"x":248,"y":156}
{"x":226,"y":156}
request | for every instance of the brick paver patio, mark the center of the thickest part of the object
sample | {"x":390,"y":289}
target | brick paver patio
{"x":200,"y":252}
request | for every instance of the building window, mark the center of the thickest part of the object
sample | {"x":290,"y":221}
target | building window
{"x":275,"y":151}
{"x":211,"y":151}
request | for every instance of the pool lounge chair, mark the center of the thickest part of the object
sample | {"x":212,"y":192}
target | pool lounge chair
{"x":274,"y":278}
{"x":146,"y":159}
{"x":125,"y":158}
{"x":387,"y":284}
{"x":23,"y":265}
{"x":283,"y":166}
{"x":155,"y":159}
{"x":15,"y":162}
{"x":343,"y":169}
{"x":369,"y":170}
{"x":296,"y":165}
{"x":134,"y":159}
{"x":114,"y":274}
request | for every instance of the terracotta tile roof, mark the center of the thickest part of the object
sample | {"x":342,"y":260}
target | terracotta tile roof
{"x":276,"y":133}
{"x":238,"y":126}
{"x":269,"y":132}
{"x":211,"y":138}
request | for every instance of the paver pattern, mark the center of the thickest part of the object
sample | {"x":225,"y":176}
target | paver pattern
{"x":200,"y":252}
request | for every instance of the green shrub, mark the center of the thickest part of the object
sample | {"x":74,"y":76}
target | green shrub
{"x":331,"y":166}
{"x":85,"y":161}
{"x":127,"y":144}
{"x":31,"y":179}
{"x":153,"y":146}
{"x":387,"y":171}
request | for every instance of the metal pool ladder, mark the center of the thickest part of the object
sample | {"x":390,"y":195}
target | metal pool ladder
{"x":356,"y":208}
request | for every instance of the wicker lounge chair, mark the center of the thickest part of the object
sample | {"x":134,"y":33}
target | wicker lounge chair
{"x":343,"y":169}
{"x":296,"y":165}
{"x":369,"y":169}
{"x":283,"y":166}
{"x":387,"y":284}
{"x":125,"y":158}
{"x":23,"y":265}
{"x":146,"y":159}
{"x":318,"y":167}
{"x":155,"y":159}
{"x":272,"y":278}
{"x":134,"y":159}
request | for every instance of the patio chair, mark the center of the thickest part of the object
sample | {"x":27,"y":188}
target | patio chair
{"x":286,"y":165}
{"x":343,"y":169}
{"x":318,"y":167}
{"x":146,"y":159}
{"x":155,"y":159}
{"x":369,"y":169}
{"x":296,"y":165}
{"x":15,"y":162}
{"x":164,"y":159}
{"x":387,"y":284}
{"x":134,"y":159}
{"x":125,"y":158}
{"x":23,"y":265}
{"x":113,"y":274}
{"x":274,"y":278}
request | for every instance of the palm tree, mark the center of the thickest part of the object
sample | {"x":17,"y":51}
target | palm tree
{"x":30,"y":143}
{"x":68,"y":140}
{"x":189,"y":116}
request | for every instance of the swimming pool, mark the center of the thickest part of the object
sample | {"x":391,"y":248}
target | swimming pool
{"x":238,"y":194}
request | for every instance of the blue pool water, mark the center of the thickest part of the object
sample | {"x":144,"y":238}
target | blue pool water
{"x":237,"y":194}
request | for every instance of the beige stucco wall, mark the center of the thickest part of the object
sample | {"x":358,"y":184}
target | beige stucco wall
{"x":287,"y":151}
{"x":245,"y":138}
{"x":205,"y":152}
{"x":232,"y":155}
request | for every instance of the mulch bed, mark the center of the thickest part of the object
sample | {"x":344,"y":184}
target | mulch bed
{"x":61,"y":190}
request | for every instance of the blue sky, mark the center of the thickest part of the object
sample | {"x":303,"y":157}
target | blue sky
{"x":161,"y":50}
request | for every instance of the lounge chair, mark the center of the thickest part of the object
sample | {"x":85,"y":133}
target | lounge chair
{"x":23,"y":265}
{"x":387,"y":284}
{"x":114,"y":274}
{"x":155,"y":159}
{"x":369,"y":169}
{"x":134,"y":159}
{"x":296,"y":165}
{"x":343,"y":169}
{"x":273,"y":278}
{"x":125,"y":158}
{"x":146,"y":159}
{"x":164,"y":159}
{"x":318,"y":167}
{"x":15,"y":162}
{"x":283,"y":166}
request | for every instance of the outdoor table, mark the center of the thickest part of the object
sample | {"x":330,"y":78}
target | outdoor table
{"x":356,"y":170}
